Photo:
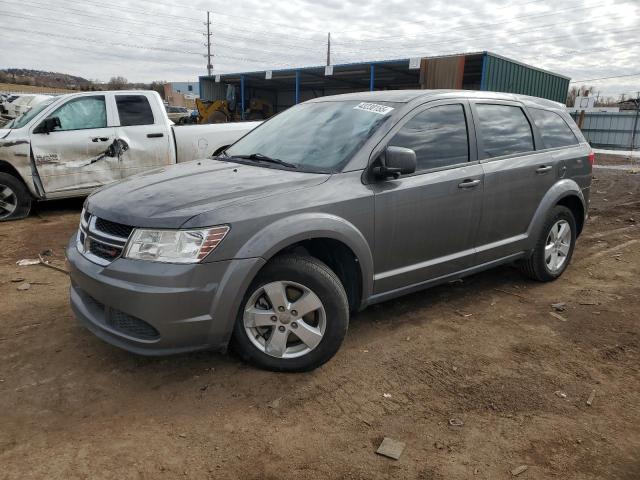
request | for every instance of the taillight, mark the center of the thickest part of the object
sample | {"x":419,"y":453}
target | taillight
{"x":592,"y":158}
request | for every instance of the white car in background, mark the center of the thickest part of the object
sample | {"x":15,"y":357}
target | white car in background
{"x":24,"y":103}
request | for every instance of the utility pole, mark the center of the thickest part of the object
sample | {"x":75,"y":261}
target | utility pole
{"x":328,"y":49}
{"x":209,"y":65}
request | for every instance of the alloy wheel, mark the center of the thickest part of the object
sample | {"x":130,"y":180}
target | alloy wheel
{"x":557,"y":246}
{"x":284,"y":319}
{"x":8,"y":201}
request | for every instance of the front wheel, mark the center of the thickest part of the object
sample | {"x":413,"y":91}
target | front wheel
{"x":554,"y":247}
{"x":15,"y":200}
{"x":294,"y":316}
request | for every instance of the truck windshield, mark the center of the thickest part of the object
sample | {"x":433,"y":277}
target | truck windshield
{"x":26,"y":117}
{"x":319,"y":136}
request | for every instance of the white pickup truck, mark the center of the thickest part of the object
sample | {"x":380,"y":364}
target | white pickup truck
{"x":72,"y":144}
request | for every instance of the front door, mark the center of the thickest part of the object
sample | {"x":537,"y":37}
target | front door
{"x":80,"y":153}
{"x":426,"y":223}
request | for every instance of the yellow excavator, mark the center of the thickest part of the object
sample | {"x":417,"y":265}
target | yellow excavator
{"x":218,"y":111}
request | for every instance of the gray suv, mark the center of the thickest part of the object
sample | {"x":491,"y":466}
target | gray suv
{"x":333,"y":205}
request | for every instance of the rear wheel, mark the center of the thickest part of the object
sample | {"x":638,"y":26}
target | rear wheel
{"x":554,"y":248}
{"x":294,"y":315}
{"x":15,"y":200}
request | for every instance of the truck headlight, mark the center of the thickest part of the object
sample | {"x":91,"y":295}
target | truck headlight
{"x":174,"y":246}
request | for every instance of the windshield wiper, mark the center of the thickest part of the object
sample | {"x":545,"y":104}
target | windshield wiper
{"x":264,"y":158}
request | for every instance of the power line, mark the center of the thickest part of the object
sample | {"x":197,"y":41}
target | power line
{"x":101,"y":18}
{"x":448,"y":17}
{"x":483,"y":25}
{"x":607,"y":78}
{"x":469,"y":38}
{"x":245,"y":18}
{"x":92,"y":27}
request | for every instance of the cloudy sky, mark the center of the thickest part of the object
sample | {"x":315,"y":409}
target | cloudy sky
{"x":163,"y":39}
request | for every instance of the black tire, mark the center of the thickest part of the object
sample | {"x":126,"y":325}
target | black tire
{"x":535,"y":267}
{"x":13,"y":191}
{"x":321,"y":280}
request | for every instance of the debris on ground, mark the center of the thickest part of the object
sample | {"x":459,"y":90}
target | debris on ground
{"x":560,"y":393}
{"x":559,"y":307}
{"x":591,"y":398}
{"x":25,"y":262}
{"x":386,"y":395}
{"x":558,"y":316}
{"x":391,"y":448}
{"x":518,"y":470}
{"x":24,"y":286}
{"x":510,"y":293}
{"x":588,"y":302}
{"x":17,"y":280}
{"x":456,"y":422}
{"x":46,"y":263}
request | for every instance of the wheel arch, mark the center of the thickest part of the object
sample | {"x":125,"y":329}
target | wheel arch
{"x":566,"y":192}
{"x":331,"y":239}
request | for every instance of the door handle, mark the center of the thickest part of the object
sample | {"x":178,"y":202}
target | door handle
{"x":155,"y":135}
{"x":100,"y":139}
{"x":469,"y":183}
{"x":543,"y":169}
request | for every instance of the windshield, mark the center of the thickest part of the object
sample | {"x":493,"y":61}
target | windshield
{"x":318,"y":136}
{"x":26,"y":117}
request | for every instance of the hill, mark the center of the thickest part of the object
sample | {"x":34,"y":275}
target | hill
{"x":39,"y":78}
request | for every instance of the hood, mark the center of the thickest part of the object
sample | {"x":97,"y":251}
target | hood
{"x":168,"y":197}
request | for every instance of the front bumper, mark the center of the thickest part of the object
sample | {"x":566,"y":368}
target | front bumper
{"x":157,"y":308}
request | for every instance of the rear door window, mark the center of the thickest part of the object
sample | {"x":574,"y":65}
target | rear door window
{"x":554,"y":130}
{"x":438,"y":136}
{"x":504,"y":130}
{"x":134,"y":110}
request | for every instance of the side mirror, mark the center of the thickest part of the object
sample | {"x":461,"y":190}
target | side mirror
{"x":48,"y":125}
{"x":396,"y":161}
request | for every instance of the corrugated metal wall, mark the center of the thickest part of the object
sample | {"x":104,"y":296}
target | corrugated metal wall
{"x":502,"y":75}
{"x":210,"y":90}
{"x":611,"y":129}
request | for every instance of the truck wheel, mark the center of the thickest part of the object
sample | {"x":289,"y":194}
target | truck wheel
{"x":554,"y":247}
{"x":293,"y":317}
{"x":15,"y":199}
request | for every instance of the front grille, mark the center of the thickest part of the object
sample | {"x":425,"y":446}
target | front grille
{"x":113,"y":228}
{"x":104,"y":251}
{"x":102,"y":241}
{"x":131,"y":325}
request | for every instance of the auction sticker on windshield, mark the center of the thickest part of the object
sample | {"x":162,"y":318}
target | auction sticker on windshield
{"x":373,"y":108}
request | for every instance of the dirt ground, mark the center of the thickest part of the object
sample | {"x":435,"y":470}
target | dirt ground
{"x":486,"y":351}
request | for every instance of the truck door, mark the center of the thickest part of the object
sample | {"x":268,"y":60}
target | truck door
{"x":144,"y":134}
{"x":81,"y":153}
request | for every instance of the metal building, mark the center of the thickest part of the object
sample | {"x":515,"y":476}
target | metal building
{"x":471,"y":71}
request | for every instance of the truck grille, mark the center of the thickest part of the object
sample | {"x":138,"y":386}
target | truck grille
{"x":100,"y":240}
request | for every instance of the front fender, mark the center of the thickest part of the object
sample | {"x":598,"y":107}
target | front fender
{"x":561,"y":189}
{"x":285,"y":232}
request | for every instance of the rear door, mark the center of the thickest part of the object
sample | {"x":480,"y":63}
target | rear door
{"x":143,"y":134}
{"x":79,"y":154}
{"x":516,"y":176}
{"x":426,"y":223}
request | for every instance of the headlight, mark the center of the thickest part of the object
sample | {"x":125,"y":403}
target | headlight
{"x":174,"y":246}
